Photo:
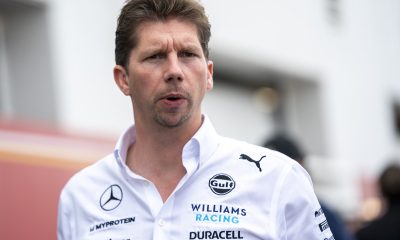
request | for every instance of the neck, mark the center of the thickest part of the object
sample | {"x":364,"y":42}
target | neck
{"x":157,"y":154}
{"x":155,"y":141}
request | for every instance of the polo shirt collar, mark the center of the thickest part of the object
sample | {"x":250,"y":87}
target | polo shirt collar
{"x":207,"y":140}
{"x":200,"y":147}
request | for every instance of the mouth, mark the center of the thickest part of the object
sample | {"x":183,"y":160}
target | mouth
{"x":173,"y":99}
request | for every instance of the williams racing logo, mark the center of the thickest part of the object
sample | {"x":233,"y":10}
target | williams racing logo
{"x":111,"y":198}
{"x":221,"y":184}
{"x":214,"y":213}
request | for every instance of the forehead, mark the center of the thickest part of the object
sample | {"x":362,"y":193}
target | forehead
{"x":153,"y":32}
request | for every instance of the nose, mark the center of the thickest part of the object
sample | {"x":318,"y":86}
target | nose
{"x":173,"y":69}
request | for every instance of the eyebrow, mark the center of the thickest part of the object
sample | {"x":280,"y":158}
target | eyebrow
{"x":191,"y":47}
{"x":151,"y":49}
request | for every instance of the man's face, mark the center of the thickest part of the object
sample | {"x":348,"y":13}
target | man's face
{"x":168,"y":73}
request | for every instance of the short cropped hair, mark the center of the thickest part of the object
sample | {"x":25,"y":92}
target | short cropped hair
{"x":136,"y":12}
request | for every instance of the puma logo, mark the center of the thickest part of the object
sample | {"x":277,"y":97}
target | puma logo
{"x":257,"y":163}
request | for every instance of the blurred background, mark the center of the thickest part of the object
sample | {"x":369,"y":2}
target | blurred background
{"x":326,"y":72}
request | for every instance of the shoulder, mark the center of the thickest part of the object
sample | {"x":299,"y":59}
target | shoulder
{"x":91,"y":175}
{"x":270,"y":159}
{"x":287,"y":176}
{"x":260,"y":164}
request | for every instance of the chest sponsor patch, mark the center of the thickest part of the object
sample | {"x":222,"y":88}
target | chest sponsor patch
{"x":221,"y":234}
{"x":256,"y":162}
{"x":112,"y":223}
{"x":217,"y":213}
{"x":221,"y":184}
{"x":111,"y":198}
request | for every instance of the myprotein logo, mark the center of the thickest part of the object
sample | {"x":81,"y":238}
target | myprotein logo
{"x":112,"y":223}
{"x":221,"y":184}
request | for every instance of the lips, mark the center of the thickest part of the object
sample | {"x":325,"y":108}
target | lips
{"x":173,"y":99}
{"x":173,"y":96}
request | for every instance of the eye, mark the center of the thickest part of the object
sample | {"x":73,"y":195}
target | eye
{"x":187,"y":54}
{"x":156,"y":56}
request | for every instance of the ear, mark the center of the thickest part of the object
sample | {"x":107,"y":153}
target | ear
{"x":210,"y":72}
{"x":121,"y":79}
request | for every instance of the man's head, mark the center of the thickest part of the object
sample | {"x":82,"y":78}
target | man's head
{"x":389,"y":183}
{"x":287,"y":146}
{"x":136,"y":12}
{"x":162,"y":63}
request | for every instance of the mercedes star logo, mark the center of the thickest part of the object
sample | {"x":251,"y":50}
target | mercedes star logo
{"x":111,"y":198}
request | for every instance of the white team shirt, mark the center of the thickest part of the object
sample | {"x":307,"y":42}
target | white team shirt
{"x":232,"y":190}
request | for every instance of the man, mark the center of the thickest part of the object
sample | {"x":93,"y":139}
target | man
{"x":171,"y":175}
{"x":387,"y":225}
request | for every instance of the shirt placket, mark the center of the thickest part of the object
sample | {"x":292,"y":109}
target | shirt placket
{"x":163,"y":226}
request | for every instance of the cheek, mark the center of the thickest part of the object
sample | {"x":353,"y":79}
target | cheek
{"x":140,"y":79}
{"x":202,"y":88}
{"x":200,"y":72}
{"x":144,"y":88}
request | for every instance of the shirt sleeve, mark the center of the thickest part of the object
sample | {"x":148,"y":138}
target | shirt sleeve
{"x":64,"y":220}
{"x":299,"y":214}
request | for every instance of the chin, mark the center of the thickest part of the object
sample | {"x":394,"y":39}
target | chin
{"x":172,"y":122}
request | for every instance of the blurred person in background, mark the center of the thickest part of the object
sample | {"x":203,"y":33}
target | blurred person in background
{"x":288,"y":146}
{"x":387,"y":226}
{"x":171,"y":175}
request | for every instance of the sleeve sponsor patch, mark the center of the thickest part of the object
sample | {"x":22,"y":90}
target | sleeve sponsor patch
{"x":323,"y":225}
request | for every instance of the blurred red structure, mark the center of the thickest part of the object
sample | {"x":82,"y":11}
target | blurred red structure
{"x":35,"y":163}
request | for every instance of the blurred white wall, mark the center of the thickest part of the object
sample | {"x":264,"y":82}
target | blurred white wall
{"x":82,"y":34}
{"x":235,"y":115}
{"x":26,"y":65}
{"x":5,"y":93}
{"x":352,"y":53}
